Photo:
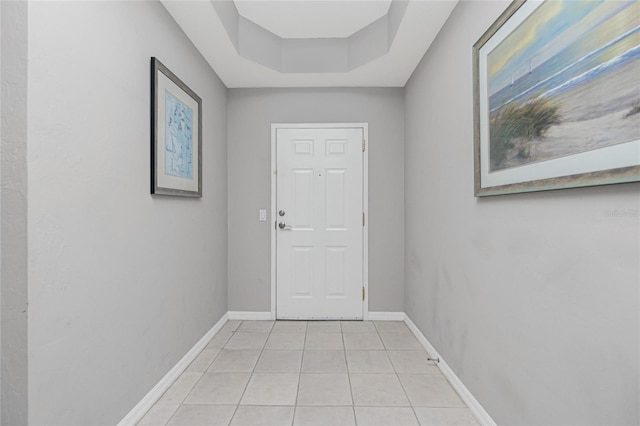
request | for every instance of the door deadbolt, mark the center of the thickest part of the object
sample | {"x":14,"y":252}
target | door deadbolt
{"x":281,"y":212}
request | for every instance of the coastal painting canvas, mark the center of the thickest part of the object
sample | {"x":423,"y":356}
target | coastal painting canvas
{"x":557,"y":96}
{"x":176,"y":135}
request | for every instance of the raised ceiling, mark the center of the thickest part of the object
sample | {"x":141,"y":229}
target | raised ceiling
{"x":312,"y":19}
{"x":310,"y":43}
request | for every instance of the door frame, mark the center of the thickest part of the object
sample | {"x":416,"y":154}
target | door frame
{"x":365,"y":203}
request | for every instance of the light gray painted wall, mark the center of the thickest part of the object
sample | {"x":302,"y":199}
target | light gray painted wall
{"x":250,"y":114}
{"x":121,"y":284}
{"x":13,"y":213}
{"x":532,"y":299}
{"x":1,"y":213}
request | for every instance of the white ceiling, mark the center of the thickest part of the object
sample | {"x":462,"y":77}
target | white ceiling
{"x":312,"y":18}
{"x":311,"y":43}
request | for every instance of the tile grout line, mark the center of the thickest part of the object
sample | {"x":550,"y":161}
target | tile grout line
{"x":386,"y":351}
{"x":235,"y":410}
{"x":181,"y":403}
{"x":250,"y":373}
{"x":219,"y":350}
{"x":413,"y":409}
{"x":304,"y":342}
{"x":353,"y":402}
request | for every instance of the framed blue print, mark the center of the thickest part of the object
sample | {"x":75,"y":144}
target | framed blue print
{"x":556,"y":96}
{"x":176,"y":135}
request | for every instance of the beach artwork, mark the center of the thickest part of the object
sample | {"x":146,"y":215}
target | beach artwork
{"x":561,"y":82}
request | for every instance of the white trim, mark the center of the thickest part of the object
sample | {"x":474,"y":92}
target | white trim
{"x":365,"y":204}
{"x":137,"y":413}
{"x":274,"y":198}
{"x":365,"y":208}
{"x":250,"y":315}
{"x":476,"y":409}
{"x":386,"y":316}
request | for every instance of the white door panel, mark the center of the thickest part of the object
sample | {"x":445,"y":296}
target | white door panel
{"x":319,"y":250}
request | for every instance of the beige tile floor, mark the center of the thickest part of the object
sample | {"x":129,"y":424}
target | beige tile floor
{"x":311,"y":373}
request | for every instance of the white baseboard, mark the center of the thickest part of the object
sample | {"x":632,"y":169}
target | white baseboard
{"x":250,"y":316}
{"x":476,"y":409}
{"x":145,"y":404}
{"x":265,"y":316}
{"x":386,"y":316}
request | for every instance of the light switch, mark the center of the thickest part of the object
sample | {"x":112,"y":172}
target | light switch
{"x":263,"y":215}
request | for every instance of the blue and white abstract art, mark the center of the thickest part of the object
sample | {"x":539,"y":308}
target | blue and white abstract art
{"x":178,"y":159}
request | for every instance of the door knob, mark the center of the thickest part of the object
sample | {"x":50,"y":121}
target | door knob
{"x":283,"y":225}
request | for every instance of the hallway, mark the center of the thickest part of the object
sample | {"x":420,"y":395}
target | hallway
{"x":110,"y":293}
{"x":311,"y":373}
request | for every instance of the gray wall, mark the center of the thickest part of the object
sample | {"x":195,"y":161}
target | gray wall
{"x":250,"y":114}
{"x":121,"y":284}
{"x":532,"y":299}
{"x":13,"y":212}
{"x":1,"y":214}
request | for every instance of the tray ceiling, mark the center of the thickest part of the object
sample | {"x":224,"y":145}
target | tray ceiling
{"x":309,"y":43}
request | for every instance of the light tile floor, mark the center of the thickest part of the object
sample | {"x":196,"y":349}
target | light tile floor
{"x":311,"y":373}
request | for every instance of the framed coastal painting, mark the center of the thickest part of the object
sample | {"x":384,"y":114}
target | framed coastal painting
{"x":557,"y":97}
{"x":176,"y":135}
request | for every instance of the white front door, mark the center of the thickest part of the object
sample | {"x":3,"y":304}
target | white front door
{"x":319,"y":223}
